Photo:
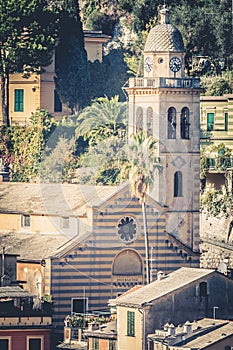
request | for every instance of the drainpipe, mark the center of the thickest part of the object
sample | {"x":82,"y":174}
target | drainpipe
{"x":3,"y":266}
{"x":142,"y":310}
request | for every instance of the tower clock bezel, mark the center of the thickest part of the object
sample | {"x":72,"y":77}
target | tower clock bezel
{"x":148,"y":64}
{"x":175,"y":64}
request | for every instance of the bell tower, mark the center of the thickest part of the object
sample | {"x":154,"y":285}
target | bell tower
{"x":166,"y":104}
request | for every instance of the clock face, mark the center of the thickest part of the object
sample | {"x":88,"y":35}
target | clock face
{"x":148,"y":64}
{"x":175,"y":64}
{"x":127,"y":229}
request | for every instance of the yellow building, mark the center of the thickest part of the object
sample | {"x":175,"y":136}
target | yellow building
{"x":216,"y":122}
{"x":26,"y":95}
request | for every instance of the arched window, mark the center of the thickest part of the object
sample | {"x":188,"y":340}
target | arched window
{"x":171,"y":123}
{"x":149,"y":121}
{"x":184,"y":123}
{"x":203,"y":289}
{"x":178,"y":185}
{"x":139,"y":119}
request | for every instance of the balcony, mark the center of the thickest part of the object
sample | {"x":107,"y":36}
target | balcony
{"x":219,"y":163}
{"x":191,"y":83}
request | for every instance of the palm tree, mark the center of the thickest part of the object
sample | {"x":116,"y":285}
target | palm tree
{"x":141,"y":167}
{"x":105,"y":117}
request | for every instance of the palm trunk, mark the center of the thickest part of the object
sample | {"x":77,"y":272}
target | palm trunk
{"x":146,"y":242}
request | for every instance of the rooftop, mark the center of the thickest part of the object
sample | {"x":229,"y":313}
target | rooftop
{"x":166,"y":285}
{"x":51,"y":199}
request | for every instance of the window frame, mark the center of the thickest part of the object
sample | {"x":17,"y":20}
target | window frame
{"x":2,"y":337}
{"x":149,"y":121}
{"x":65,"y":222}
{"x":18,"y":100}
{"x":171,"y":123}
{"x":85,"y":308}
{"x":210,"y":125}
{"x":226,"y":120}
{"x":112,"y":344}
{"x":57,"y":103}
{"x":25,"y":220}
{"x":95,"y":343}
{"x":41,"y":337}
{"x":130,"y":323}
{"x":184,"y":123}
{"x":139,"y":119}
{"x":178,"y":184}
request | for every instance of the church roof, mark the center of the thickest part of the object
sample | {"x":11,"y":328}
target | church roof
{"x":164,"y":37}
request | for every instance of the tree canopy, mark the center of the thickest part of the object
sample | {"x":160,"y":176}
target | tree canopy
{"x":72,"y":76}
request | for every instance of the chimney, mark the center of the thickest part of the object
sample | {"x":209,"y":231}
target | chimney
{"x":188,"y":328}
{"x":171,"y":329}
{"x":160,"y":275}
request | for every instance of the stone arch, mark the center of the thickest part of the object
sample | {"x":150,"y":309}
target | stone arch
{"x":149,"y":121}
{"x":127,"y":263}
{"x":171,"y":123}
{"x":139,"y":119}
{"x":184,"y":123}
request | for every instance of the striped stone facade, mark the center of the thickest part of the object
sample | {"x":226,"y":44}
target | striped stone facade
{"x":101,"y":266}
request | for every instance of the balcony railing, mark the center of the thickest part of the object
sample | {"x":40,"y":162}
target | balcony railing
{"x":220,"y":163}
{"x":193,"y":83}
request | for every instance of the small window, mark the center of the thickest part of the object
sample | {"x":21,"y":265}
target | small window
{"x":95,"y":343}
{"x":139,"y":120}
{"x":203,"y":289}
{"x":19,"y":100}
{"x":130,"y":323}
{"x":26,"y":221}
{"x":210,"y":121}
{"x":57,"y":102}
{"x":79,"y":305}
{"x":4,"y":344}
{"x":226,"y":121}
{"x":34,"y":343}
{"x":178,"y":184}
{"x":171,"y":123}
{"x":65,"y":222}
{"x":112,"y":344}
{"x":184,"y":124}
{"x":149,"y":122}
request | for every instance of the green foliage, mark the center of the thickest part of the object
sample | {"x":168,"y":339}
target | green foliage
{"x":141,"y":164}
{"x":216,"y":202}
{"x":108,"y":77}
{"x":102,"y":162}
{"x":218,"y":85}
{"x":104,"y":118}
{"x":23,"y":146}
{"x":58,"y":164}
{"x":72,"y":77}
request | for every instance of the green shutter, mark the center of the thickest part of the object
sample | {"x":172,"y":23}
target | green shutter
{"x":226,"y":121}
{"x":130,"y":323}
{"x":19,"y":100}
{"x":210,"y":121}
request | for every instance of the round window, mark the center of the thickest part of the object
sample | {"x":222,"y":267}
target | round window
{"x":127,"y":229}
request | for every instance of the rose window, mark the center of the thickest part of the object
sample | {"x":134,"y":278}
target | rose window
{"x":127,"y":229}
